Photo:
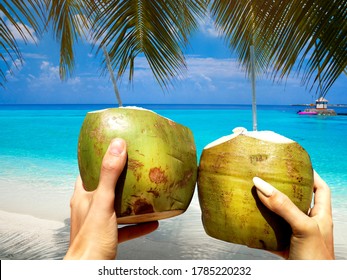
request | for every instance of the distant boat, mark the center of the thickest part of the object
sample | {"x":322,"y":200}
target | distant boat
{"x":321,"y":109}
{"x":308,"y":112}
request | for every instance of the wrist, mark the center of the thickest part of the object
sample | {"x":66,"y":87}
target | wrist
{"x":81,"y":249}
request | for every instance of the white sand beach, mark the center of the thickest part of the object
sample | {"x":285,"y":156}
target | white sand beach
{"x":27,"y":237}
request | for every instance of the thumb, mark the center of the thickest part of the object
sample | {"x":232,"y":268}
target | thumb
{"x":281,"y":204}
{"x":112,"y":165}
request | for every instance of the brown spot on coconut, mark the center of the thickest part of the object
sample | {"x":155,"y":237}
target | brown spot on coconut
{"x":157,"y":175}
{"x":141,"y":206}
{"x":231,"y":209}
{"x":151,"y":145}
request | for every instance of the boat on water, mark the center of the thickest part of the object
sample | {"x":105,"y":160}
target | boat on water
{"x":320,"y":109}
{"x":308,"y":112}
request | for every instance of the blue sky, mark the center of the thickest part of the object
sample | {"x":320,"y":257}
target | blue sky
{"x":213,"y":77}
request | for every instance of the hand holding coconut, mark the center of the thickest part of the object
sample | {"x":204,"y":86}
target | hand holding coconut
{"x":94,"y":233}
{"x":233,"y":211}
{"x":159,"y":178}
{"x":312,"y":236}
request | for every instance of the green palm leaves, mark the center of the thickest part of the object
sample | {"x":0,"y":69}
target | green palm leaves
{"x":157,"y":29}
{"x":306,"y":36}
{"x":69,"y":23}
{"x":18,"y":20}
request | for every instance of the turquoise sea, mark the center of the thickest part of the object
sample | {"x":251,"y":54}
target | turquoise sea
{"x":38,"y":164}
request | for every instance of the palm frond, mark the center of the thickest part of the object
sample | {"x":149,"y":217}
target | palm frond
{"x":305,"y":36}
{"x":70,"y":21}
{"x":22,"y":15}
{"x":237,"y":21}
{"x":157,"y":29}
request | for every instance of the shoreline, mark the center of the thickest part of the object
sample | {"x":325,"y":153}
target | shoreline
{"x":40,"y":199}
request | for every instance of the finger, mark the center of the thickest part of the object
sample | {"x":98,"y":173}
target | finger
{"x":79,"y":185}
{"x":79,"y":193}
{"x":112,"y":165}
{"x":79,"y":204}
{"x":135,"y":231}
{"x":322,"y":211}
{"x":322,"y":196}
{"x":279,"y":203}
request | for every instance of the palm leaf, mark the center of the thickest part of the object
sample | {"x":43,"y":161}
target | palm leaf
{"x":303,"y":35}
{"x":237,"y":21}
{"x":70,"y":21}
{"x":20,"y":14}
{"x":157,"y":29}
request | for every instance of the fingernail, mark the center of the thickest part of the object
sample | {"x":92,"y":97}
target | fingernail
{"x":264,"y":187}
{"x":117,"y":147}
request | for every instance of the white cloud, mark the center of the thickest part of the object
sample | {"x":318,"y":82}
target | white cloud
{"x":214,"y":68}
{"x":213,"y":75}
{"x":34,"y":55}
{"x":49,"y":76}
{"x":203,"y":83}
{"x":16,"y":66}
{"x":74,"y":81}
{"x":203,"y":75}
{"x":28,"y":33}
{"x":208,"y":28}
{"x":207,"y":68}
{"x":49,"y":70}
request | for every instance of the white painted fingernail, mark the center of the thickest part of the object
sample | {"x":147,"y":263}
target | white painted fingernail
{"x":264,"y":187}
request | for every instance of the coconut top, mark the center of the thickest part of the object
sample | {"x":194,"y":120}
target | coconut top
{"x":265,"y":135}
{"x":127,"y":107}
{"x":130,"y":108}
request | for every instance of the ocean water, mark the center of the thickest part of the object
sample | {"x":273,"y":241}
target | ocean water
{"x":38,"y":162}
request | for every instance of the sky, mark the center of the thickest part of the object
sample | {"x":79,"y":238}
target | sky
{"x":213,"y":76}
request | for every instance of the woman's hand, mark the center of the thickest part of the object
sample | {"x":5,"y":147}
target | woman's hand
{"x":94,"y":233}
{"x":312,"y":236}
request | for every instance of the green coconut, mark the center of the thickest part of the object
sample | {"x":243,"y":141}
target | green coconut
{"x":231,"y":209}
{"x":160,"y":175}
